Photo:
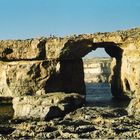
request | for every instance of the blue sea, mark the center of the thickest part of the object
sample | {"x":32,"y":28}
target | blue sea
{"x":98,"y":91}
{"x":99,"y":95}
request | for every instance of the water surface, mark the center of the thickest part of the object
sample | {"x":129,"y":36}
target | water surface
{"x":99,"y":94}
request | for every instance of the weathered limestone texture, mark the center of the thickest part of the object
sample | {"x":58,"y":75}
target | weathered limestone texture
{"x":40,"y":66}
{"x":22,"y":49}
{"x":47,"y":106}
{"x":20,"y":78}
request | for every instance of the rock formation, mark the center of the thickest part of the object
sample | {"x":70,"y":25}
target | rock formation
{"x":39,"y":66}
{"x":97,"y":70}
{"x":47,"y":106}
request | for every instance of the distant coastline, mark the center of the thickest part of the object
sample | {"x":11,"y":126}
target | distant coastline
{"x":97,"y":69}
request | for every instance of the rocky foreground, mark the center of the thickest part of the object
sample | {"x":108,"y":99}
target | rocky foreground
{"x":85,"y":122}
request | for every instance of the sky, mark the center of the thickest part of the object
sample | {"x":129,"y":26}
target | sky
{"x":21,"y":19}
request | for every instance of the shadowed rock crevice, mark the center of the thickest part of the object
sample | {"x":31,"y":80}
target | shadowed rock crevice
{"x":69,"y":78}
{"x":127,"y":85}
{"x":72,"y":74}
{"x":116,"y":83}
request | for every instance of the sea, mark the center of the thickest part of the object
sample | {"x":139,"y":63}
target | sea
{"x":99,"y":95}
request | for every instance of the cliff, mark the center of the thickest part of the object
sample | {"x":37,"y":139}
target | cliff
{"x":97,"y":70}
{"x":35,"y":67}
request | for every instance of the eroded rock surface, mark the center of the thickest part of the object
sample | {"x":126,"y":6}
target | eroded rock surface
{"x":41,"y":66}
{"x":86,"y":123}
{"x":22,"y":49}
{"x":47,"y":106}
{"x":20,"y":78}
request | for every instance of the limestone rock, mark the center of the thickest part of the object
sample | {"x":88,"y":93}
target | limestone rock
{"x":102,"y":123}
{"x":59,"y":67}
{"x":20,"y":78}
{"x":47,"y":106}
{"x":134,"y":108}
{"x":54,"y":47}
{"x":22,"y":49}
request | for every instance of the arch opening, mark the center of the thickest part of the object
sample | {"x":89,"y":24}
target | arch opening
{"x":96,"y":76}
{"x":70,"y":76}
{"x":107,"y":90}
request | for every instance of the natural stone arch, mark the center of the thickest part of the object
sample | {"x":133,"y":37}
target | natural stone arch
{"x":30,"y":67}
{"x":80,"y":48}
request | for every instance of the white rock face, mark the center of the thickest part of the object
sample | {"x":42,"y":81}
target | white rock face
{"x":97,"y":70}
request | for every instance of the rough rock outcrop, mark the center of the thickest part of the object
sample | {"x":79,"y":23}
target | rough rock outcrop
{"x":19,"y":78}
{"x":30,"y":49}
{"x":25,"y":77}
{"x":40,"y":66}
{"x":80,"y":124}
{"x":47,"y":106}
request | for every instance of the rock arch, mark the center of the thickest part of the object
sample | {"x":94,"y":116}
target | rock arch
{"x":40,"y":66}
{"x":83,"y":47}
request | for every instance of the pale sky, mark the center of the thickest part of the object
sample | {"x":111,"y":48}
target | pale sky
{"x":21,"y":19}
